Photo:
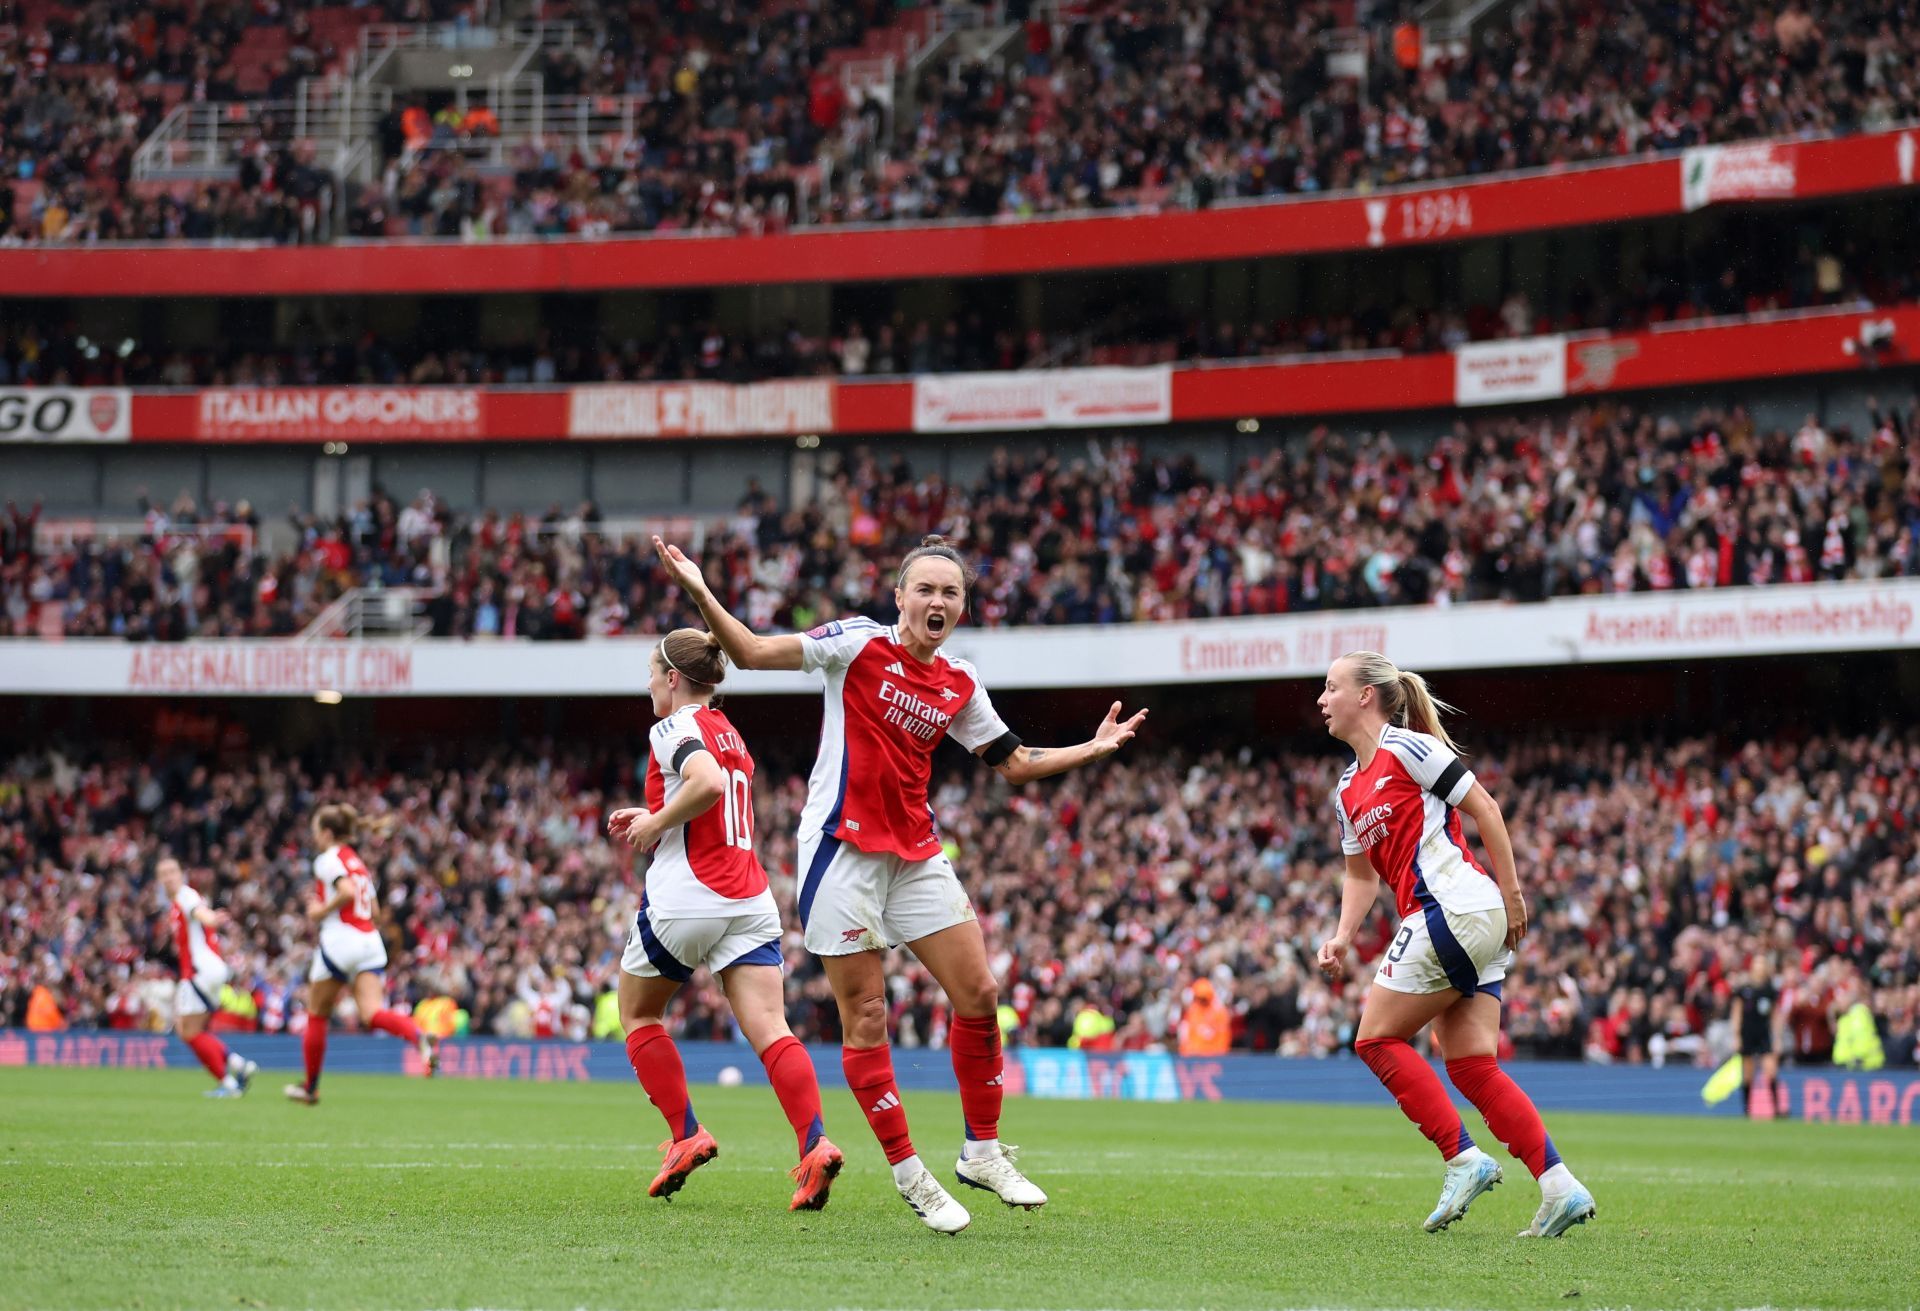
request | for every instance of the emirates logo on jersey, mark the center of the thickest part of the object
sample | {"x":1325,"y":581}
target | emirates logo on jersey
{"x":1370,"y":825}
{"x":920,"y":718}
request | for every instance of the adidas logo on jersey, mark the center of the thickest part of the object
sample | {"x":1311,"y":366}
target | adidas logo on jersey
{"x":887,"y":1103}
{"x":897,"y":669}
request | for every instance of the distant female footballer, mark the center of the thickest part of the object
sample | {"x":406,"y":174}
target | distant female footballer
{"x":872,"y":871}
{"x":1399,"y":807}
{"x":350,"y":952}
{"x":203,"y":972}
{"x":707,"y":903}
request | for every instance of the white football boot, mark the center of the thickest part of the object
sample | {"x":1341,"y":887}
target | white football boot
{"x":995,"y":1173}
{"x":933,"y":1204}
{"x":1559,"y":1214}
{"x":1475,"y":1174}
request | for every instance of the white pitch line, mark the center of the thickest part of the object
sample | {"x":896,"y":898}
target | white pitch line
{"x":229,"y":1156}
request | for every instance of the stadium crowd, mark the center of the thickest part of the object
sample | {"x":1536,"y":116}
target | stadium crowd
{"x":741,"y":123}
{"x":81,"y":88}
{"x":1607,"y":498}
{"x":1664,"y":878}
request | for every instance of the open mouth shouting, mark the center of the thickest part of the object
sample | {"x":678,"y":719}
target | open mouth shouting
{"x":936,"y":624}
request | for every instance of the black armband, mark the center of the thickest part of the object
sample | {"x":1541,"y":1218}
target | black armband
{"x":1001,"y":749}
{"x":686,"y":750}
{"x":1449,"y":779}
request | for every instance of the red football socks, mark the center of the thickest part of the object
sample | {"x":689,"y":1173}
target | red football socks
{"x":313,"y":1046}
{"x":656,"y":1061}
{"x":869,"y":1072}
{"x":977,"y":1065}
{"x":393,"y":1022}
{"x":790,"y":1071}
{"x":1418,"y":1090}
{"x":1508,"y":1111}
{"x":211,"y":1051}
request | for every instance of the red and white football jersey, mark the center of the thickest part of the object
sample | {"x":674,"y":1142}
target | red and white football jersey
{"x":706,"y":867}
{"x":195,"y":946}
{"x":885,"y":712}
{"x":1399,"y":811}
{"x":340,"y":868}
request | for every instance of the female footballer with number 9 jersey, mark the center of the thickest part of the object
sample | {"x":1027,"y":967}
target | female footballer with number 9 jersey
{"x":872,"y":870}
{"x":1399,"y":807}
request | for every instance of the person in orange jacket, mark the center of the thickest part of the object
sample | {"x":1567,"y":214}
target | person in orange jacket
{"x":417,"y":126}
{"x":43,"y":1011}
{"x":1206,"y":1026}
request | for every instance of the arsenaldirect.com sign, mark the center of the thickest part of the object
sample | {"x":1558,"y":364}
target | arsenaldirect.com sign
{"x":1652,"y":626}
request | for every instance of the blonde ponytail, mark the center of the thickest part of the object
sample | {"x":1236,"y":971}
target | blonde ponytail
{"x":1404,"y":695}
{"x":1421,"y":710}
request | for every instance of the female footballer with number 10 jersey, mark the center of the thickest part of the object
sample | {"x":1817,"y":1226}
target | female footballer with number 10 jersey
{"x":1399,"y":807}
{"x":872,"y":870}
{"x":707,"y":903}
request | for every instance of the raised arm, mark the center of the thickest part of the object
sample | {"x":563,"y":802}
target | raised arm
{"x":1026,"y":763}
{"x":746,"y":648}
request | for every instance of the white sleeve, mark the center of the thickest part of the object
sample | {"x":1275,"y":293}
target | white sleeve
{"x":188,"y":900}
{"x":978,"y":723}
{"x":327,"y":869}
{"x":1349,"y":844}
{"x":673,"y":739}
{"x":834,"y":645}
{"x":1432,"y":764}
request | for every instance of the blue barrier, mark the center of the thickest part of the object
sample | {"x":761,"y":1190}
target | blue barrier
{"x":1838,"y":1096}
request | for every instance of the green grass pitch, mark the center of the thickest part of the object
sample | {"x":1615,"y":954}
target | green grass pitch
{"x":130,"y":1190}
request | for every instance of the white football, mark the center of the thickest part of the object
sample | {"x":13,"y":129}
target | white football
{"x":730,"y":1077}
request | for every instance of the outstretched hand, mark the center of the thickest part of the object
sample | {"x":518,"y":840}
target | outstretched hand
{"x":682,"y":570}
{"x":1113,"y":734}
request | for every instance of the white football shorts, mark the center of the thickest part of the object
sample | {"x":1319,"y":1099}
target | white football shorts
{"x":200,"y":995}
{"x":668,"y":947}
{"x":852,"y":900}
{"x":1437,"y":949}
{"x":345,"y":952}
